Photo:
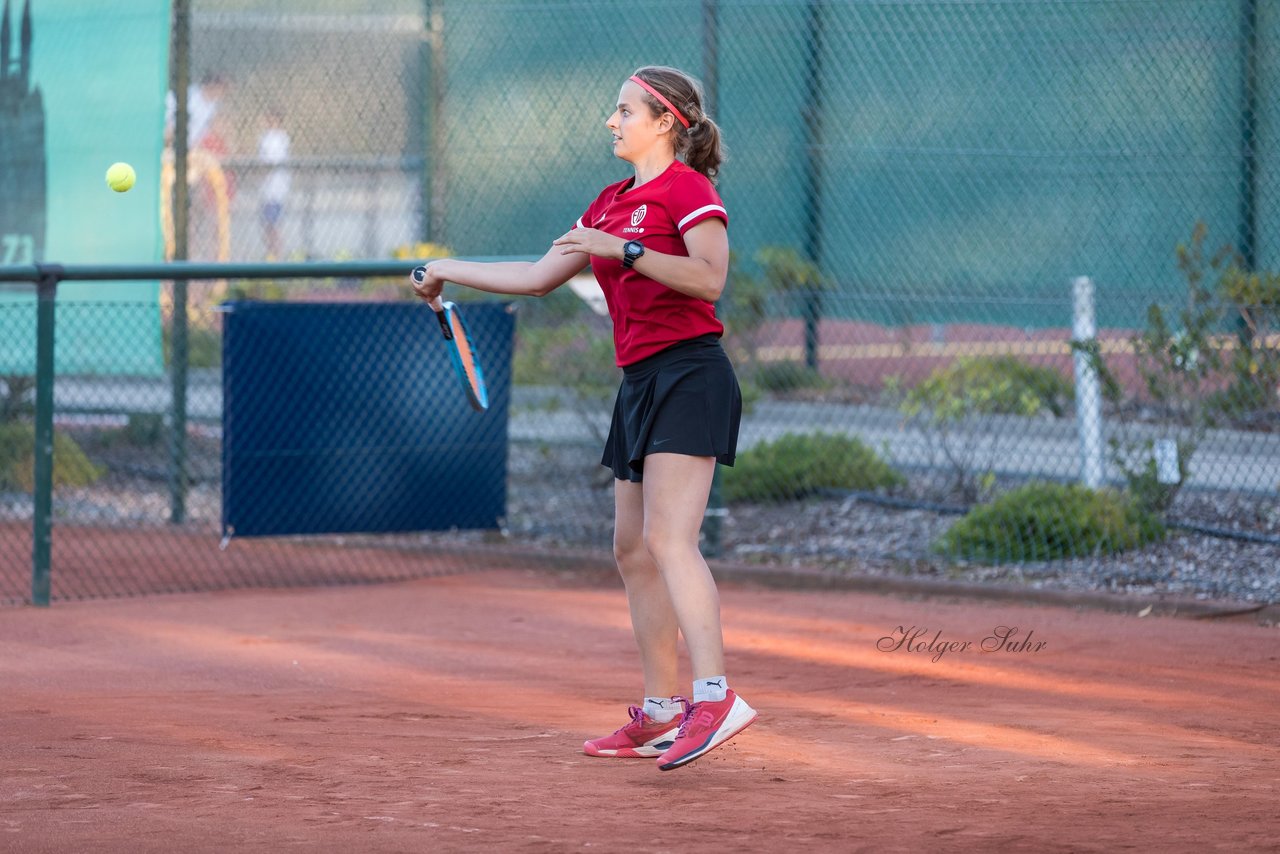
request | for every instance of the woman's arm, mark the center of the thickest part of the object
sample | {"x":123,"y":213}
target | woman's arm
{"x":514,"y":278}
{"x":702,"y":274}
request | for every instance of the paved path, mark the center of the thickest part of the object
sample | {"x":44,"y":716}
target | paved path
{"x":1230,"y":460}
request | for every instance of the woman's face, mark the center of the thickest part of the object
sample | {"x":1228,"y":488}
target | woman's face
{"x":634,"y":128}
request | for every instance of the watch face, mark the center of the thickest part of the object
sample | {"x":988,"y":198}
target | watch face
{"x":633,"y":247}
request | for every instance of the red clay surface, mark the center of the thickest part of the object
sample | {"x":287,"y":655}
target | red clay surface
{"x":447,"y":714}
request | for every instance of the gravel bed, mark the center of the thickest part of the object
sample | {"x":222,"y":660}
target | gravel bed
{"x":561,"y":498}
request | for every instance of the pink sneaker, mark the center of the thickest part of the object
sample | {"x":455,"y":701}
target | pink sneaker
{"x":643,"y":738}
{"x":707,"y":725}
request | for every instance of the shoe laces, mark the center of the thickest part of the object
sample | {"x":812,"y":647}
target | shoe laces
{"x":637,"y":718}
{"x":691,"y":711}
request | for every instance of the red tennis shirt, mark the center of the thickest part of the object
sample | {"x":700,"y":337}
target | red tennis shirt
{"x":649,"y":316}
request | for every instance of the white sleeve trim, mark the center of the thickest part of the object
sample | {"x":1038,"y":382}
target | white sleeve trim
{"x":699,"y":212}
{"x":579,"y":224}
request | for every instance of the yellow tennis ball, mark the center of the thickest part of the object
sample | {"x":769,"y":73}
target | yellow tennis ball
{"x":120,"y":177}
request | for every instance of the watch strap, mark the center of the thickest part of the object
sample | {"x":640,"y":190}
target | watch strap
{"x":629,"y":257}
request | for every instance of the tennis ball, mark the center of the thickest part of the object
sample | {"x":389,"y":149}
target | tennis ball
{"x":120,"y":177}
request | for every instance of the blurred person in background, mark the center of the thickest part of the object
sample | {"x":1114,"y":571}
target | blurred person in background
{"x":273,"y":194}
{"x":203,"y":100}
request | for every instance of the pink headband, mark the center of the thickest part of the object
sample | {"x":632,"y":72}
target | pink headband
{"x":661,"y":100}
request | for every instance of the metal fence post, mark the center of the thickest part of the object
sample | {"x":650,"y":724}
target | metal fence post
{"x":814,"y":189}
{"x":711,"y":57}
{"x":713,"y":519}
{"x":434,"y":169}
{"x":181,"y":226}
{"x":42,"y":517}
{"x":1084,"y":330}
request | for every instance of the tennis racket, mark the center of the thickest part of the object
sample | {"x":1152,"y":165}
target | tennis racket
{"x":462,"y":352}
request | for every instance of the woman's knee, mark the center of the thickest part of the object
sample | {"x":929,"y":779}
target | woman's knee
{"x":666,"y":549}
{"x":632,"y":556}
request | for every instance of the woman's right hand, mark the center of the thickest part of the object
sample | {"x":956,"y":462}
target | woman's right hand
{"x":426,"y":284}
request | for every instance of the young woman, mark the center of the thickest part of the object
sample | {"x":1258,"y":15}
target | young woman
{"x":658,"y":245}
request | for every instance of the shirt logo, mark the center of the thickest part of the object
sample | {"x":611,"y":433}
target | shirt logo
{"x":637,"y":216}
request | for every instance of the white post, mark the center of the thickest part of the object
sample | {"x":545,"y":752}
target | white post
{"x":1084,"y":330}
{"x":1165,"y":452}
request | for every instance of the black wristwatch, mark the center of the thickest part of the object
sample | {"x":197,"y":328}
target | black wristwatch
{"x":631,"y":252}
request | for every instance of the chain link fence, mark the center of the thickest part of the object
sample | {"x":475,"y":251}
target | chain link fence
{"x":975,"y":257}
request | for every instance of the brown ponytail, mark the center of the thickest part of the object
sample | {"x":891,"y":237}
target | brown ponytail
{"x":699,"y":144}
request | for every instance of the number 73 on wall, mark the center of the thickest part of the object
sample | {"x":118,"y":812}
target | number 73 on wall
{"x":17,"y":249}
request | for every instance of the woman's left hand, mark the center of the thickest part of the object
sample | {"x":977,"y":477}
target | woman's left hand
{"x":429,"y":286}
{"x":590,"y":241}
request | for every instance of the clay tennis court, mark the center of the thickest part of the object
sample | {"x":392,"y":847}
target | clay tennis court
{"x":447,"y":714}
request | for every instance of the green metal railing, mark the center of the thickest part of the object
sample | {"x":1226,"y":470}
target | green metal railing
{"x":46,"y":278}
{"x":148,"y":519}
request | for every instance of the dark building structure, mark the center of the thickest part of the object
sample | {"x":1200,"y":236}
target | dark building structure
{"x":23,"y":188}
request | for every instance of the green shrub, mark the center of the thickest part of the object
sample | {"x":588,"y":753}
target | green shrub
{"x":1048,"y":521}
{"x":560,"y":306}
{"x":17,"y":396}
{"x":204,"y":346}
{"x":17,"y":459}
{"x":794,"y":466}
{"x":951,"y":405}
{"x":570,"y":355}
{"x":573,"y":357}
{"x":986,"y":385}
{"x":751,"y":393}
{"x":776,"y":280}
{"x":1204,"y":362}
{"x":787,"y":376}
{"x":142,"y":430}
{"x":1253,"y":303}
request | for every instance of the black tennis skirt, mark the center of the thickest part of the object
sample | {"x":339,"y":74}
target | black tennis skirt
{"x":681,"y":400}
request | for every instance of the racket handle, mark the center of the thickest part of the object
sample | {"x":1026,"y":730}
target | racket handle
{"x":437,"y":305}
{"x":419,"y":275}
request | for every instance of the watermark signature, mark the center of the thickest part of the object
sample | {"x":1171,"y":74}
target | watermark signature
{"x":917,"y":639}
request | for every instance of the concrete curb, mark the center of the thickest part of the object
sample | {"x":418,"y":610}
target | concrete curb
{"x":1157,"y":605}
{"x":934,"y":588}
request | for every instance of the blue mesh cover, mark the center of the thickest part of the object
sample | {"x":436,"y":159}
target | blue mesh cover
{"x":347,"y":418}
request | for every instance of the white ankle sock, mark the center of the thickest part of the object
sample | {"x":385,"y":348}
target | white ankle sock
{"x":712,"y":689}
{"x":662,"y":709}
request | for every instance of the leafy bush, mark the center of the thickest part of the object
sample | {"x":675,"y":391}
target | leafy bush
{"x":571,"y":356}
{"x":776,"y":274}
{"x":1048,"y":521}
{"x":142,"y":430}
{"x":560,"y":306}
{"x":795,"y":465}
{"x":985,"y":385}
{"x":17,"y":459}
{"x":1254,"y":299}
{"x":951,"y":404}
{"x":787,"y":376}
{"x":1189,"y":377}
{"x":17,"y":396}
{"x":204,"y":346}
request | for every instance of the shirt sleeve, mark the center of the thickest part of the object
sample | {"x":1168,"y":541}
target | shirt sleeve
{"x":586,"y":217}
{"x":591,"y":213}
{"x":694,"y":199}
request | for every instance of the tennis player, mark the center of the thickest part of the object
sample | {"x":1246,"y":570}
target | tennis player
{"x":658,"y":245}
